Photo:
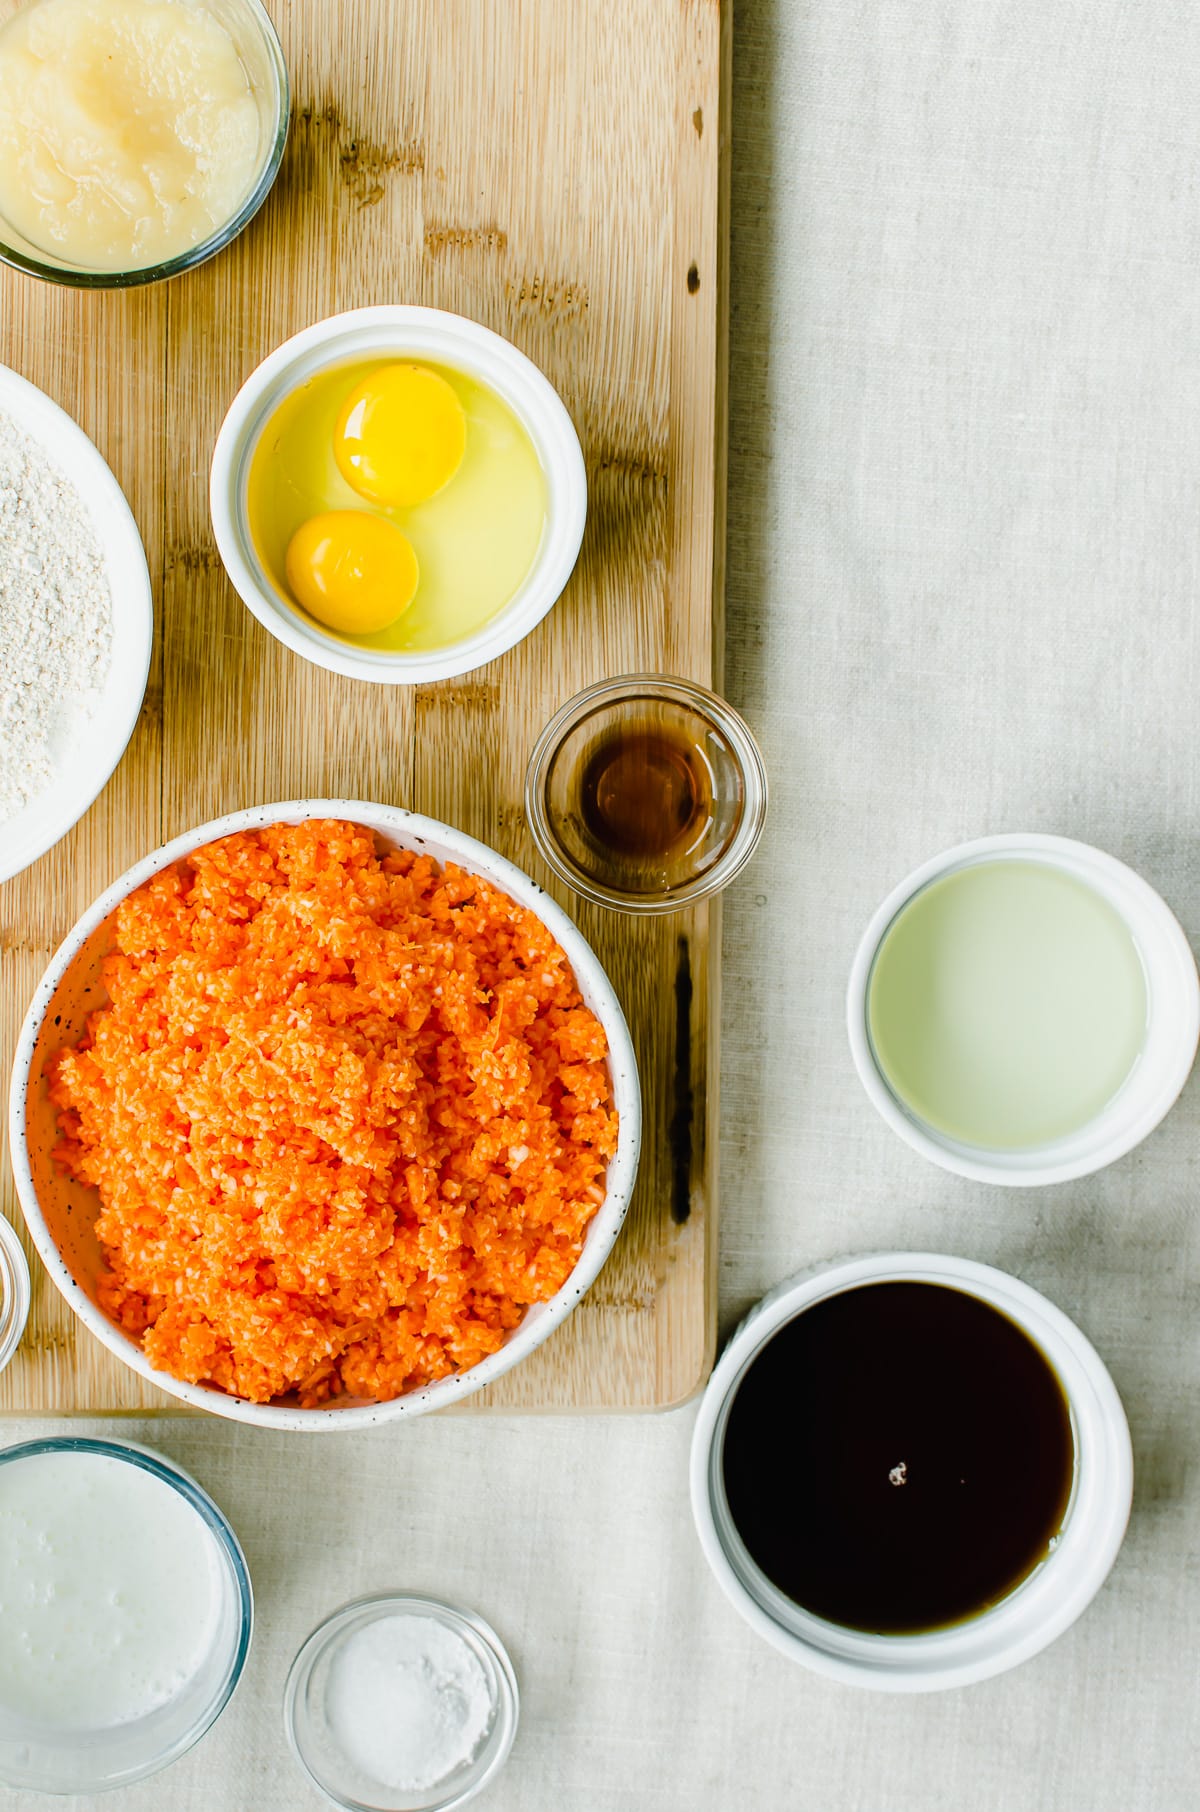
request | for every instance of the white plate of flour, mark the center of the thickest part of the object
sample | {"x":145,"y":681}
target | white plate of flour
{"x":76,"y":623}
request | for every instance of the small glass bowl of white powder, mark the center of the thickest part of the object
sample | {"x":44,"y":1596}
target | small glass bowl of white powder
{"x":398,"y":1703}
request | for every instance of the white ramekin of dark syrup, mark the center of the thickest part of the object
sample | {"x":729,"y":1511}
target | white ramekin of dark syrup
{"x":910,"y":1472}
{"x":646,"y":794}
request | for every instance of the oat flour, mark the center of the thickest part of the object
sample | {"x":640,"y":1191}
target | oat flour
{"x":55,"y":619}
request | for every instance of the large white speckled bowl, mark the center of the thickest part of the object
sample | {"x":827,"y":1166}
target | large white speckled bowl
{"x":61,"y":1213}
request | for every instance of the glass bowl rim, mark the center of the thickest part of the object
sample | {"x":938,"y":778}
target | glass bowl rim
{"x":15,"y":1291}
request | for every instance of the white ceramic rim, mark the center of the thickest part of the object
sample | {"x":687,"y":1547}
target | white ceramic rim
{"x":1044,"y":1605}
{"x":421,"y":333}
{"x":14,"y":1290}
{"x":1173,"y":1018}
{"x":439,"y":1610}
{"x":412,"y":830}
{"x":101,"y":747}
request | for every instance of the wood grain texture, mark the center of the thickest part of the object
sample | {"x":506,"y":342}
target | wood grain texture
{"x":559,"y":173}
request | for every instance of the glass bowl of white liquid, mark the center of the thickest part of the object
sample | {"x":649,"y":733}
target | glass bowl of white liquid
{"x":126,"y":1614}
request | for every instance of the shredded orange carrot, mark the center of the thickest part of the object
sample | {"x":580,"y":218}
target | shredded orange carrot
{"x":346,"y":1114}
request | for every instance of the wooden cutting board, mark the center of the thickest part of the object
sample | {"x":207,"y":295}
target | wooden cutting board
{"x":558,"y":172}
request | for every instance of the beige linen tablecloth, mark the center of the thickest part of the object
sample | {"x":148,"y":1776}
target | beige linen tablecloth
{"x":964,"y":550}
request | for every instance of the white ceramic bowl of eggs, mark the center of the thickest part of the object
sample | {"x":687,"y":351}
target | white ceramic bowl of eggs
{"x":461,"y":350}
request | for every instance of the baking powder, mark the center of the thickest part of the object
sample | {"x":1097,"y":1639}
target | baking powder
{"x":407,"y":1701}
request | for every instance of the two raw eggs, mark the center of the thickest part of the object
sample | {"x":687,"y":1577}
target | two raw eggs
{"x":399,"y":505}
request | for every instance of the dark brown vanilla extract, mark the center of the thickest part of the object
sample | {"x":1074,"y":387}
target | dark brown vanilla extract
{"x":899,"y":1457}
{"x":645,"y":795}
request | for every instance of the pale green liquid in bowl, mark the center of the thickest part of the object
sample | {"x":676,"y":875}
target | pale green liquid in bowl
{"x":1007,"y":1004}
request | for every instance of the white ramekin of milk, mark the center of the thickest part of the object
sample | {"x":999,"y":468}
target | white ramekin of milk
{"x":125,"y":1613}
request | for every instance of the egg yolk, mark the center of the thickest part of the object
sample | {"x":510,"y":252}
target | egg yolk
{"x":401,"y":436}
{"x":353,"y":571}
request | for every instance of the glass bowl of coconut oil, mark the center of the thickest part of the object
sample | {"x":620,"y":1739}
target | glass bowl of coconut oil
{"x":126,"y":1616}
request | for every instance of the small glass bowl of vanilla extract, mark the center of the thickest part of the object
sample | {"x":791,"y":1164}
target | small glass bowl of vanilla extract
{"x":646,"y":793}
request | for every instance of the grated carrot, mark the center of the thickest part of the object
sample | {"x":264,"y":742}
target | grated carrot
{"x":346,"y":1114}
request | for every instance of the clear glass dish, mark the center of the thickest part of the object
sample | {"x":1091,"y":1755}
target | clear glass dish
{"x":661,"y":722}
{"x":313,"y":1738}
{"x":94,"y":1760}
{"x":14,"y":1291}
{"x":262,"y":57}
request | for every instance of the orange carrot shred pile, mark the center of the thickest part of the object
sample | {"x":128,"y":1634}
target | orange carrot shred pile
{"x":346,"y":1114}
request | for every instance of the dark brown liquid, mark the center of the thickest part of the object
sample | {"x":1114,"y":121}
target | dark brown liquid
{"x":644,"y":794}
{"x":898,"y":1457}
